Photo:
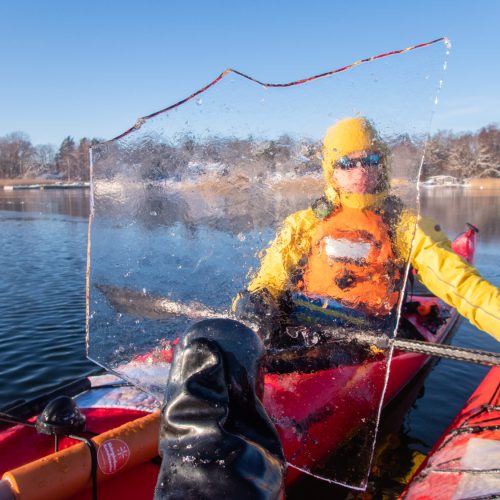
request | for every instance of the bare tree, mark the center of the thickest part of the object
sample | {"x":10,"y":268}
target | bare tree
{"x":67,"y":158}
{"x":15,"y":155}
{"x":436,"y":154}
{"x":406,"y":155}
{"x":488,"y":152}
{"x":462,"y":156}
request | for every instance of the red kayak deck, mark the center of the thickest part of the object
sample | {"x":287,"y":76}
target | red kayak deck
{"x":465,"y":462}
{"x":284,"y":395}
{"x":313,"y":430}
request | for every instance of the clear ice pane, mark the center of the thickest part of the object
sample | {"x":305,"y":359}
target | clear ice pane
{"x":192,"y":205}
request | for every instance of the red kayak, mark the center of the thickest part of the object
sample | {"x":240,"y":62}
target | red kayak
{"x":306,"y":429}
{"x":465,"y":462}
{"x":309,"y":432}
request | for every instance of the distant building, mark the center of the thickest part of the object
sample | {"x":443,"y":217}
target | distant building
{"x":443,"y":180}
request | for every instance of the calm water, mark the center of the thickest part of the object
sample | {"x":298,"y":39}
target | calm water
{"x":42,"y":298}
{"x":450,"y":383}
{"x":42,"y":290}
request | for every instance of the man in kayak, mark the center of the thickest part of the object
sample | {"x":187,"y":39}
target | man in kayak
{"x":344,"y":256}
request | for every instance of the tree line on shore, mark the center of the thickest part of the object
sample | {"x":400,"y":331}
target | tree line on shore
{"x":465,"y":155}
{"x":19,"y":158}
{"x":462,"y":155}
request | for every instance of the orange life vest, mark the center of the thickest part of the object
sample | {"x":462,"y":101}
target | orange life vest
{"x":352,"y":261}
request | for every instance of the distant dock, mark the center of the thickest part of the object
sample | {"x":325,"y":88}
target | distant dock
{"x":15,"y":184}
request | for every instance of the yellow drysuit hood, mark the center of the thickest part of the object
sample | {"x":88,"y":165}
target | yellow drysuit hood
{"x":347,"y":136}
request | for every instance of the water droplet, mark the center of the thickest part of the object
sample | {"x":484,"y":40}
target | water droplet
{"x":445,"y":65}
{"x":199,"y":101}
{"x":241,"y":237}
{"x":436,"y":100}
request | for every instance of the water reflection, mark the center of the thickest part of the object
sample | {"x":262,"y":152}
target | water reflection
{"x":42,"y":291}
{"x":230,"y":208}
{"x":452,"y":207}
{"x":72,"y":202}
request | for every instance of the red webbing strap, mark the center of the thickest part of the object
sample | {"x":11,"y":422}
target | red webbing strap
{"x":226,"y":72}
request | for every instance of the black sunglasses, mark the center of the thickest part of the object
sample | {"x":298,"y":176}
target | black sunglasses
{"x":371,"y":160}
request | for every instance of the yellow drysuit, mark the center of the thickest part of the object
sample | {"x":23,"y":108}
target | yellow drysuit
{"x":439,"y":268}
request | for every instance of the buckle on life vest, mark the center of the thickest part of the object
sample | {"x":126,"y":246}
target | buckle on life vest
{"x":347,"y":280}
{"x":322,"y":208}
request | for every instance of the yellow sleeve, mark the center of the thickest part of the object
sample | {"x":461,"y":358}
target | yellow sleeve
{"x":283,"y":256}
{"x":452,"y":278}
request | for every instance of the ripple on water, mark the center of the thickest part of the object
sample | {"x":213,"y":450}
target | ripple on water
{"x":42,"y":300}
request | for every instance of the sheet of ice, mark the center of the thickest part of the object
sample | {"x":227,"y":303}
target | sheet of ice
{"x":185,"y":204}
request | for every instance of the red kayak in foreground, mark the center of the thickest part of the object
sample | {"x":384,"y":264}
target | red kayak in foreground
{"x":126,"y":428}
{"x":465,"y":462}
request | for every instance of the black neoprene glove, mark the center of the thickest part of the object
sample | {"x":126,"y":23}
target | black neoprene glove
{"x":216,"y":438}
{"x":267,"y":314}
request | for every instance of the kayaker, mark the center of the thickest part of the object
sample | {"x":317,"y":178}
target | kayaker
{"x":345,"y":254}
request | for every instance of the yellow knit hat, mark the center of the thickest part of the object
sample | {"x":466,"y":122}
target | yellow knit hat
{"x":346,"y":136}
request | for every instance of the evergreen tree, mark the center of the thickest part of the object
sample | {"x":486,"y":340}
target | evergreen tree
{"x":67,"y":159}
{"x":83,"y":158}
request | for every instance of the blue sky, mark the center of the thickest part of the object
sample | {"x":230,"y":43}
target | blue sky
{"x":92,"y":68}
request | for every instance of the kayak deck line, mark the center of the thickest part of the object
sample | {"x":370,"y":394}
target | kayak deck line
{"x":447,"y":351}
{"x":464,"y":461}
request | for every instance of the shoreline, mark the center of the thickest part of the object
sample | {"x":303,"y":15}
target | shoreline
{"x":40,"y":184}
